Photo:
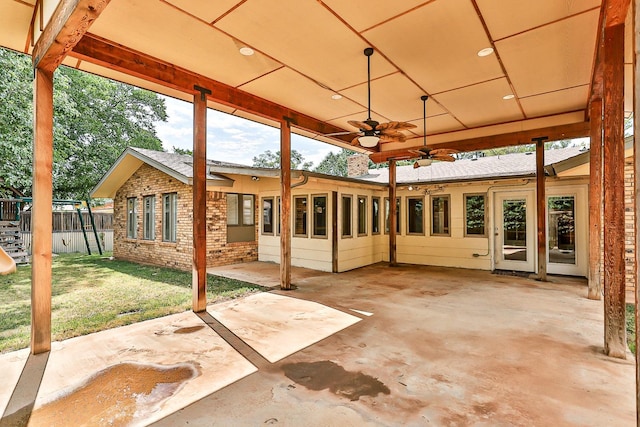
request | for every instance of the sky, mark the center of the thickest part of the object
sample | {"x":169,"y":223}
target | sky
{"x":230,"y":138}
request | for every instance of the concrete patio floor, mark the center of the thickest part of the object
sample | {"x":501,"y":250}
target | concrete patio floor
{"x":398,"y":346}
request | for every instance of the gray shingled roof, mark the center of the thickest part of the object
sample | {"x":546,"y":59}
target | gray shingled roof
{"x":517,"y":164}
{"x":181,"y":163}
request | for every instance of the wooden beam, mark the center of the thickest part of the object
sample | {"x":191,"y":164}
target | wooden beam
{"x":614,"y":234}
{"x":616,"y":12}
{"x":393,"y":214}
{"x":69,"y":22}
{"x":636,"y":174}
{"x":42,"y":228}
{"x":199,"y":272}
{"x":285,"y":202}
{"x":554,"y":133}
{"x":541,"y":203}
{"x":595,"y":200}
{"x":129,"y":61}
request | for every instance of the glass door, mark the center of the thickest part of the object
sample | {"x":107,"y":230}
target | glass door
{"x":514,"y":232}
{"x":563,"y":237}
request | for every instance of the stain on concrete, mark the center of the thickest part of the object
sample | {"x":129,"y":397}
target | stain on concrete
{"x":116,"y":396}
{"x":329,"y":375}
{"x":188,"y":330}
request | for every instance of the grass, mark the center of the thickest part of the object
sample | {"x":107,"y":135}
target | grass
{"x":631,"y":328}
{"x":93,"y":293}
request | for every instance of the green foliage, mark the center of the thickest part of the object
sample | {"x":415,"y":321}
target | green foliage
{"x":631,"y":328}
{"x":271,"y":160}
{"x":93,"y":293}
{"x":335,"y":163}
{"x":186,"y":151}
{"x":95,"y":119}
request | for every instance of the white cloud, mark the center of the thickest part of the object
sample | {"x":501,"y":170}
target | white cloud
{"x":231,"y":138}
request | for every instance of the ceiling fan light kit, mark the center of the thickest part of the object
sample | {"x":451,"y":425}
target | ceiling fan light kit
{"x":368,"y":141}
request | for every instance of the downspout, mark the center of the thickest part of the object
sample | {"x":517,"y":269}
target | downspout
{"x":305,"y":179}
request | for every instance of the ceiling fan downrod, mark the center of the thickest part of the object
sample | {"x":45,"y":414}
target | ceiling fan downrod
{"x":368,"y":52}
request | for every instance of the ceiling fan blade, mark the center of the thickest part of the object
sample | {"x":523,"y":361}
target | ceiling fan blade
{"x":443,"y":151}
{"x":418,"y":153}
{"x":444,"y":158}
{"x":360,"y":125}
{"x":393,"y":137}
{"x":396,"y":126}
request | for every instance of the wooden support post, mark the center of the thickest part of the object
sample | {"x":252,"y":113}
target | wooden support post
{"x":541,"y":209}
{"x":199,"y":273}
{"x":285,"y":202}
{"x":614,"y":234}
{"x":393,"y":214}
{"x":636,"y":170}
{"x":595,"y":200}
{"x":42,"y":228}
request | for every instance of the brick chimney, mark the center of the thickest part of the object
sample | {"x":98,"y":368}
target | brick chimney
{"x":357,"y":165}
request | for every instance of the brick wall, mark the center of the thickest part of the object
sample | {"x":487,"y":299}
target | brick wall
{"x":147,"y":181}
{"x":357,"y":165}
{"x":629,"y":239}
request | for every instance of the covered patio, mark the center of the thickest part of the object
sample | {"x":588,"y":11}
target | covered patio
{"x":374,"y":346}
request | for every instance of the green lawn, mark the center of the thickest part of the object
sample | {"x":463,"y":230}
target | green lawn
{"x":92,"y":293}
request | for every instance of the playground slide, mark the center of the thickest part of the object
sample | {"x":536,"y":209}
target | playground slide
{"x":7,"y":264}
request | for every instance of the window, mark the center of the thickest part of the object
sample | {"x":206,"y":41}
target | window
{"x":415,"y":215}
{"x":362,"y":216}
{"x":562,"y":229}
{"x":375,"y":215}
{"x":232,"y":209}
{"x":267,"y":215}
{"x":319,"y":216}
{"x":169,"y":216}
{"x":240,"y":218}
{"x":300,"y":221}
{"x":440,"y":216}
{"x":131,"y":218}
{"x":279,"y":211}
{"x":386,"y":215}
{"x":149,"y":218}
{"x":346,"y":216}
{"x":475,"y":216}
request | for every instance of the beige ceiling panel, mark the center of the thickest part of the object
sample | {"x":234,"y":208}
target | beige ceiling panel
{"x":437,"y":46}
{"x":15,"y":19}
{"x":437,"y":124}
{"x":505,"y":18}
{"x":208,"y":11}
{"x":163,"y":32}
{"x":394,"y":96}
{"x":377,"y":11}
{"x":286,"y":87}
{"x":553,"y":57}
{"x":306,"y":37}
{"x":481,"y":104}
{"x":551,"y":103}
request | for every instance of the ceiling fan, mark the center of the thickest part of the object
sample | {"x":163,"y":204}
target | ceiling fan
{"x":370,"y":131}
{"x":428,"y":155}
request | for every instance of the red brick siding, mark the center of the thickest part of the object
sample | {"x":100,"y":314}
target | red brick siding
{"x":147,"y":181}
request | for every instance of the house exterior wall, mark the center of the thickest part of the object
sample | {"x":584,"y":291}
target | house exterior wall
{"x":147,"y":181}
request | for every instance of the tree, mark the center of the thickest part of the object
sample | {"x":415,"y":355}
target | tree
{"x":179,"y":150}
{"x":335,"y":163}
{"x":95,"y":119}
{"x":271,"y":160}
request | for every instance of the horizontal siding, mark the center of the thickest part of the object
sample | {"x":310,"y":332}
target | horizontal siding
{"x":73,"y":241}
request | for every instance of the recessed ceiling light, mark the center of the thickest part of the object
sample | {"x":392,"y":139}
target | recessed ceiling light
{"x":336,"y":96}
{"x":485,"y":52}
{"x":246,"y":51}
{"x":507,"y":97}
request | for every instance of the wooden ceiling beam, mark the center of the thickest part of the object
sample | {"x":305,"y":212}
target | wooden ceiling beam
{"x":69,"y":22}
{"x":616,"y":12}
{"x":125,"y":60}
{"x":554,"y":133}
